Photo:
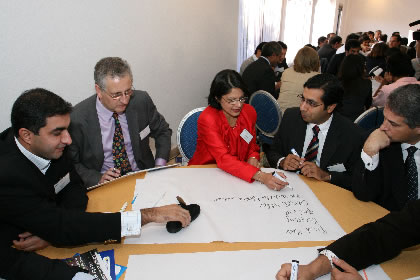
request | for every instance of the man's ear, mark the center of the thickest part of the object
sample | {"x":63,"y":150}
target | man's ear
{"x":26,"y":135}
{"x":98,"y":91}
{"x":330,"y":108}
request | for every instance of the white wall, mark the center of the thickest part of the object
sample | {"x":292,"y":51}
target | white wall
{"x":175,"y":48}
{"x":386,"y":15}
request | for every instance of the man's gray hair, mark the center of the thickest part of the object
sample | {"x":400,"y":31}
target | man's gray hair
{"x":405,"y":102}
{"x":110,"y":67}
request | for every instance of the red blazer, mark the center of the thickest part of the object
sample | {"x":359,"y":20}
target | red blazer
{"x":219,"y":143}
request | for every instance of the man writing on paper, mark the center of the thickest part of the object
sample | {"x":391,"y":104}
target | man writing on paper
{"x":42,"y":200}
{"x":388,"y":171}
{"x":326,"y":144}
{"x":372,"y":243}
{"x":111,"y":129}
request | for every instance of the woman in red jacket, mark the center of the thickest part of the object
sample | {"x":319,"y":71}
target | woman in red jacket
{"x":226,"y":132}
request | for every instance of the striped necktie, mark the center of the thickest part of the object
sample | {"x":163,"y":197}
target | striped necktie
{"x":411,"y":174}
{"x":312,"y":150}
{"x":119,"y":154}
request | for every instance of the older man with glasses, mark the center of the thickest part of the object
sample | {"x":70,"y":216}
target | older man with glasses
{"x":111,"y":128}
{"x":316,"y":140}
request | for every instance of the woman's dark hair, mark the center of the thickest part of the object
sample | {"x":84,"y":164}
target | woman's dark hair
{"x":351,"y":69}
{"x":222,"y":84}
{"x":378,"y":50}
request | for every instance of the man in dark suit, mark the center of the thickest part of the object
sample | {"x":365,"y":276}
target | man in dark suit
{"x":42,"y":200}
{"x":116,"y":109}
{"x":372,"y":243}
{"x":259,"y":75}
{"x":325,"y":144}
{"x":390,"y":155}
{"x":282,"y":65}
{"x":352,"y":46}
{"x":328,"y":50}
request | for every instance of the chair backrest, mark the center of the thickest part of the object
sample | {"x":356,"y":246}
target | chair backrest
{"x":186,"y":136}
{"x":268,"y":112}
{"x":371,"y":119}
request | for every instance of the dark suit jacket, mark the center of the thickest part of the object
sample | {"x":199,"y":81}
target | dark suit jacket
{"x":87,"y":151}
{"x":386,"y":185}
{"x":382,"y":240}
{"x":28,"y":203}
{"x":357,"y":98}
{"x":335,"y":63}
{"x":342,"y":144}
{"x":260,"y":76}
{"x":327,"y":51}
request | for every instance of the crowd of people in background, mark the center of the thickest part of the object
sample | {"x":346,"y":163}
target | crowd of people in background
{"x":368,"y":66}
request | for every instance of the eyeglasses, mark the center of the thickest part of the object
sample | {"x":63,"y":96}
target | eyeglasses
{"x":311,"y":103}
{"x":232,"y":101}
{"x":118,"y":95}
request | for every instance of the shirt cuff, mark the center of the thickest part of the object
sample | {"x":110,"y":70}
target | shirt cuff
{"x":130,"y":223}
{"x":160,"y":162}
{"x":329,"y":254}
{"x":278,"y":162}
{"x":83,"y":276}
{"x":370,"y":162}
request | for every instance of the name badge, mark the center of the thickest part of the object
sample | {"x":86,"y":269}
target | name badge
{"x":246,"y":136}
{"x":143,"y":134}
{"x":62,"y":183}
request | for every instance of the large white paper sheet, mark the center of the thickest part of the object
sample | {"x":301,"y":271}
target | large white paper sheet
{"x":233,"y":210}
{"x":244,"y":265}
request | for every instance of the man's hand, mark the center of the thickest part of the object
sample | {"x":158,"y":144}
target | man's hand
{"x":272,"y":182}
{"x":318,"y":267}
{"x":310,"y":169}
{"x":110,"y":175}
{"x":376,"y":141}
{"x":29,"y":242}
{"x":350,"y":273}
{"x":254,"y":162}
{"x":165,"y":214}
{"x":291,"y":162}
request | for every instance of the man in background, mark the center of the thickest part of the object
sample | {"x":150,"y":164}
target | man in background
{"x":260,"y":74}
{"x":252,"y":58}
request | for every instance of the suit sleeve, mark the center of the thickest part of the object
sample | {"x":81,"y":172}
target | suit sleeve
{"x":89,"y":176}
{"x":20,"y":265}
{"x":58,"y":225}
{"x":333,"y":65}
{"x":210,"y":132}
{"x":382,"y":240}
{"x":367,"y":185}
{"x":344,"y":179}
{"x":160,"y":130}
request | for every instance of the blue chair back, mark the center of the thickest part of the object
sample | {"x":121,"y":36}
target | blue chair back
{"x":371,"y":119}
{"x":268,"y":112}
{"x":187,"y":134}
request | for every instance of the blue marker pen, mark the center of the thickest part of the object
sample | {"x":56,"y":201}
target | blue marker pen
{"x":134,"y":199}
